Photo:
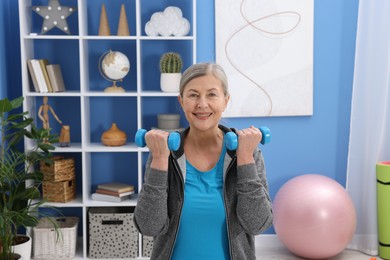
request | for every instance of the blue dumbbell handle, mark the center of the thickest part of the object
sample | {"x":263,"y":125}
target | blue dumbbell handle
{"x":173,"y":139}
{"x":232,"y":140}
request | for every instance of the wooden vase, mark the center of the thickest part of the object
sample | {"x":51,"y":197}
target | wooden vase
{"x":64,"y":139}
{"x":114,"y":136}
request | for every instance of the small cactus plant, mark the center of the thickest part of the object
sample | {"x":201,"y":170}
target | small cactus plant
{"x":171,"y":62}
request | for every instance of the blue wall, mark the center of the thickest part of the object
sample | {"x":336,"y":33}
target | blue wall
{"x":300,"y":145}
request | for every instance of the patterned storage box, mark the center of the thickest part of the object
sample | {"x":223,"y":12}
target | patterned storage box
{"x":112,"y":233}
{"x":147,"y":246}
{"x":62,"y":169}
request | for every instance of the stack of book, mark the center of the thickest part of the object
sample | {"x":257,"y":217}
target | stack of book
{"x":113,"y":192}
{"x":45,"y":77}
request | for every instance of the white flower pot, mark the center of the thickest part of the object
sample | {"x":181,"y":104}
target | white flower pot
{"x":170,"y":82}
{"x":24,"y":249}
{"x":168,"y":121}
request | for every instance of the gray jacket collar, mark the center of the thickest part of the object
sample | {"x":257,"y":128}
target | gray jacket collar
{"x":181,"y":159}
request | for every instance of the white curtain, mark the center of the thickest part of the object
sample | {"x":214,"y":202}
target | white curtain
{"x":370,"y":118}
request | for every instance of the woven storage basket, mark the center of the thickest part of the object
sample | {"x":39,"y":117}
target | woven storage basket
{"x":59,"y":191}
{"x":51,"y":244}
{"x":61,"y":169}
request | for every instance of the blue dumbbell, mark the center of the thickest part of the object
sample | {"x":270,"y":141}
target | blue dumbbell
{"x":173,"y":139}
{"x":231,"y":139}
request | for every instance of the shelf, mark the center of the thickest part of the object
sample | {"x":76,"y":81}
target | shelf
{"x":127,"y":203}
{"x":99,"y":147}
{"x":34,"y":36}
{"x":105,"y":94}
{"x":78,"y":202}
{"x":67,"y":93}
{"x":86,"y":108}
{"x":72,"y":148}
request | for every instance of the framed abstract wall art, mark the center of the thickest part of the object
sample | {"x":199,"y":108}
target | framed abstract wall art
{"x":266,"y":49}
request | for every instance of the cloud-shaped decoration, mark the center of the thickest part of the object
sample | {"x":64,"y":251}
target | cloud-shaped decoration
{"x":167,"y":23}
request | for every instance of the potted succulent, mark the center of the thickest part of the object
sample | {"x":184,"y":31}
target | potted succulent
{"x":171,"y":65}
{"x":20,"y":196}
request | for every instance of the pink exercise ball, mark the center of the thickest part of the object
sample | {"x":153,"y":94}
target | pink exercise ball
{"x":314,"y":216}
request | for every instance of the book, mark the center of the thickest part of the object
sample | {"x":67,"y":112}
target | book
{"x":109,"y":198}
{"x":114,"y":193}
{"x":33,"y":77}
{"x":43,"y":63}
{"x":55,"y":76}
{"x":39,"y":75}
{"x":116,"y":186}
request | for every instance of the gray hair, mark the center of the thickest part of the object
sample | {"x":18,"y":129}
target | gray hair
{"x":203,"y":69}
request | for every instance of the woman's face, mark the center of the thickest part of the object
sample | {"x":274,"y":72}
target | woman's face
{"x":203,"y":102}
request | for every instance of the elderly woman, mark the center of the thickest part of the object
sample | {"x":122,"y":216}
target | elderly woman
{"x":204,"y":201}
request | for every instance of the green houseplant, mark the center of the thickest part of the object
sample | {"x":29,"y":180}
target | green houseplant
{"x":171,"y":65}
{"x":171,"y":62}
{"x":20,"y":179}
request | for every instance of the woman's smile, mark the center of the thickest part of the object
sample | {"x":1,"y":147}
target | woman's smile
{"x":202,"y":116}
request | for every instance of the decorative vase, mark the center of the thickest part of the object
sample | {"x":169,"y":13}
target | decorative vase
{"x":64,"y":139}
{"x":170,"y":82}
{"x":114,"y":136}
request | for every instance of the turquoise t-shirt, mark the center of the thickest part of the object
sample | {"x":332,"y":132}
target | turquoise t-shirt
{"x":202,"y":232}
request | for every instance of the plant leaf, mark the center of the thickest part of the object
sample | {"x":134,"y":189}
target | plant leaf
{"x":5,"y":105}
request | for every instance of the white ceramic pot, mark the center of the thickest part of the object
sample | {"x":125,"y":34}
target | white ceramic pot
{"x":24,"y":249}
{"x":168,"y":121}
{"x":170,"y":82}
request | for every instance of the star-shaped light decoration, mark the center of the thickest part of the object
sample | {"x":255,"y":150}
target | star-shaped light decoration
{"x":54,"y":15}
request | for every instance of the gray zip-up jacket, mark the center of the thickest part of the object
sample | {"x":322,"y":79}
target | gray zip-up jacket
{"x":247,"y":203}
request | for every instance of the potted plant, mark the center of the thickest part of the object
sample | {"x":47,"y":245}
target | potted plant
{"x":20,"y":196}
{"x":171,"y":65}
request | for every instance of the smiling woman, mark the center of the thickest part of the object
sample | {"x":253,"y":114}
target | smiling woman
{"x":219,"y":196}
{"x":203,"y":101}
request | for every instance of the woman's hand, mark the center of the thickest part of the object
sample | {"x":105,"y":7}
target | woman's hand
{"x":157,"y":141}
{"x":248,"y":140}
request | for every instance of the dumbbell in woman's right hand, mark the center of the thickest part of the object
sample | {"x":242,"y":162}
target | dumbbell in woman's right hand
{"x":173,"y":139}
{"x":231,"y":139}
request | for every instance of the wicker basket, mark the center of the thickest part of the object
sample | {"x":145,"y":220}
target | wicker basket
{"x":62,"y":169}
{"x":59,"y":191}
{"x":51,"y":244}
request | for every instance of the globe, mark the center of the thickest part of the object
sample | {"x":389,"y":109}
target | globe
{"x":114,"y":66}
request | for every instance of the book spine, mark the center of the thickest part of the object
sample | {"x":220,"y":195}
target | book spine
{"x":43,"y":63}
{"x":39,"y":76}
{"x":113,"y":193}
{"x":55,"y":76}
{"x":103,"y":197}
{"x":115,"y":189}
{"x":33,"y":76}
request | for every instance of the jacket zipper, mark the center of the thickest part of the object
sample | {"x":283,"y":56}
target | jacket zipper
{"x":181,"y":207}
{"x":227,"y":213}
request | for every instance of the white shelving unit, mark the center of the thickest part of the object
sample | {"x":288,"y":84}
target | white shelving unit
{"x":83,"y":95}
